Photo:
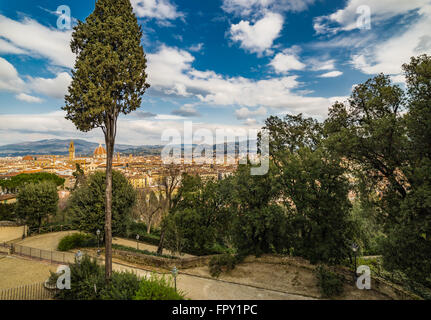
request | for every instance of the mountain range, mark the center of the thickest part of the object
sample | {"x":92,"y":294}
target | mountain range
{"x":82,"y":148}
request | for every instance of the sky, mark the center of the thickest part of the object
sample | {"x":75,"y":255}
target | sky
{"x":226,"y":64}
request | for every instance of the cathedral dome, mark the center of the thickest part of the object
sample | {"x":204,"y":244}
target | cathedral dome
{"x":99,"y":152}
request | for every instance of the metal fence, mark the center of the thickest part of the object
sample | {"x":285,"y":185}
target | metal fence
{"x":46,"y":255}
{"x":35,"y":291}
{"x":40,"y":254}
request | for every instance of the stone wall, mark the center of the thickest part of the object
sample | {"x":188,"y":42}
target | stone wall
{"x":161,"y":262}
{"x":9,"y":224}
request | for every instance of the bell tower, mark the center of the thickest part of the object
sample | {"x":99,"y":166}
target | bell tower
{"x":71,"y":151}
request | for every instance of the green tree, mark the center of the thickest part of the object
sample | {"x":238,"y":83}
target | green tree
{"x":86,"y":206}
{"x":13,"y":184}
{"x":36,"y":201}
{"x":313,"y":187}
{"x":200,"y":217}
{"x":258,"y":222}
{"x":408,"y":248}
{"x":385,"y":135}
{"x":108,"y":79}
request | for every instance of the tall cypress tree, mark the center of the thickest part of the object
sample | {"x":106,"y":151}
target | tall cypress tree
{"x":108,"y":79}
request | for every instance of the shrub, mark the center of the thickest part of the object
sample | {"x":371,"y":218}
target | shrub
{"x":157,"y":288}
{"x":124,"y":248}
{"x":88,"y":283}
{"x":77,"y":240}
{"x":222,"y":263}
{"x":123,"y":286}
{"x":330,"y":283}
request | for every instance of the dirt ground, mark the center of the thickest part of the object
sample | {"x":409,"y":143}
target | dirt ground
{"x":15,"y":271}
{"x":47,"y":241}
{"x":197,"y":288}
{"x":285,"y":278}
{"x":10,"y":233}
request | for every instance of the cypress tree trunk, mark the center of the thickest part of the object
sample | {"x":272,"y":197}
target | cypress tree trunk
{"x":109,"y":141}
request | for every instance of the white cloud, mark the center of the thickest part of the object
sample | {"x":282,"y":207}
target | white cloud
{"x":245,"y":113}
{"x":37,"y":40}
{"x":157,"y":9}
{"x":9,"y":78}
{"x":54,"y":87}
{"x":170,"y":68}
{"x":187,"y":110}
{"x":7,"y":47}
{"x":257,"y":37}
{"x":248,"y":7}
{"x":286,"y":61}
{"x":197,"y":47}
{"x":331,"y":74}
{"x":346,"y":18}
{"x":321,"y":65}
{"x":389,"y":55}
{"x":28,"y":98}
{"x":53,"y":125}
{"x":250,"y":122}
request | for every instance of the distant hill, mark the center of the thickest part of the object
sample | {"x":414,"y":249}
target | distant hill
{"x":55,"y":146}
{"x":82,"y":148}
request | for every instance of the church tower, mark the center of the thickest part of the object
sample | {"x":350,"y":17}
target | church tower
{"x":71,"y":151}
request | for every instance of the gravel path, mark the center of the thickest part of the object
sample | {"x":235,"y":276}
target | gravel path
{"x":47,"y":241}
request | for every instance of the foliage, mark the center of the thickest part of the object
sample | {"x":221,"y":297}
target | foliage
{"x":36,"y":202}
{"x":198,"y":221}
{"x":157,"y":288}
{"x":141,"y":251}
{"x":368,"y":233}
{"x":88,"y":283}
{"x":77,"y":240}
{"x":313,"y":188}
{"x":7,"y":211}
{"x":13,"y":184}
{"x":330,"y":283}
{"x":109,"y":74}
{"x":222,"y":263}
{"x":49,"y":227}
{"x":385,"y":133}
{"x":123,"y":286}
{"x":87,"y":204}
{"x":139,"y":228}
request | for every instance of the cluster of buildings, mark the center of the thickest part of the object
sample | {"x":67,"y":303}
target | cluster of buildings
{"x":141,"y":171}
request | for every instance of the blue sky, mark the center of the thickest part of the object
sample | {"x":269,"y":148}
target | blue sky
{"x":221,"y":64}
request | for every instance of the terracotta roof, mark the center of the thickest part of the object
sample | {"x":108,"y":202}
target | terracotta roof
{"x":7,"y":197}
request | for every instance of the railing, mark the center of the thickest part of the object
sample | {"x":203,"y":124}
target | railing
{"x":35,"y":291}
{"x":47,"y":255}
